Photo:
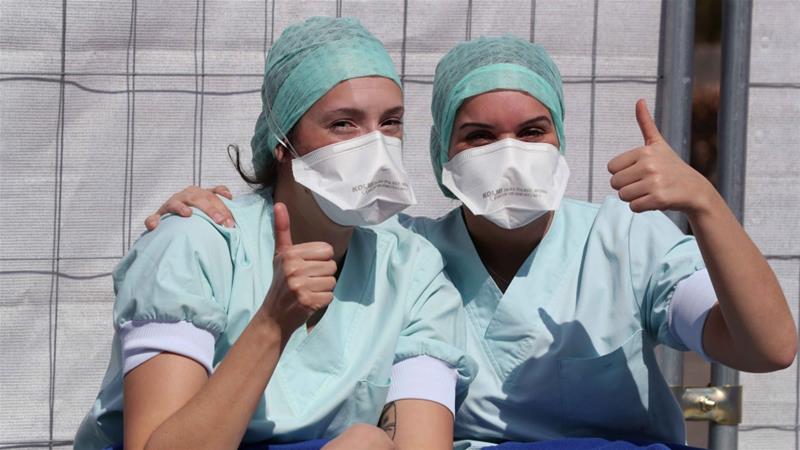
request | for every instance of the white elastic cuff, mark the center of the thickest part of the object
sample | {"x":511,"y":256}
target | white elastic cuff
{"x":144,"y":340}
{"x":692,"y":300}
{"x":424,"y":378}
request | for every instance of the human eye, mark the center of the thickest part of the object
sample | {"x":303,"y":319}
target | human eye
{"x":342,"y":125}
{"x":392,"y":122}
{"x":478,"y":138}
{"x":532,"y":133}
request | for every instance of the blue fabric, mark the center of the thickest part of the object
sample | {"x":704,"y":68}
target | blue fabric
{"x":586,"y":444}
{"x":316,"y":444}
{"x":557,"y":444}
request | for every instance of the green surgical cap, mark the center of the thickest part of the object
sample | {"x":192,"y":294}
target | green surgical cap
{"x":489,"y":64}
{"x":307,"y":61}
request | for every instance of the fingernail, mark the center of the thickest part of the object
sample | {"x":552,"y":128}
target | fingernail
{"x":230,"y":224}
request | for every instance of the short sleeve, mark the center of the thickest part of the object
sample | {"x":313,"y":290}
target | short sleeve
{"x":691,"y":303}
{"x":436,"y":324}
{"x":182,"y":271}
{"x":424,"y":378}
{"x":660,"y":256}
{"x":141,"y":342}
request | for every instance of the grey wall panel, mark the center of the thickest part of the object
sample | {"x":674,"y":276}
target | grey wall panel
{"x":24,"y":342}
{"x":28,"y":122}
{"x":104,"y":49}
{"x":773,"y":168}
{"x":771,"y":400}
{"x":433,"y":29}
{"x":615,"y":129}
{"x":766,"y":438}
{"x":493,"y":18}
{"x":31,"y":42}
{"x":82,"y":354}
{"x":431,"y":201}
{"x":227,"y":119}
{"x":774,"y":52}
{"x":577,"y":126}
{"x":566,"y":30}
{"x":772,"y":196}
{"x":634,"y":27}
{"x":91,"y":222}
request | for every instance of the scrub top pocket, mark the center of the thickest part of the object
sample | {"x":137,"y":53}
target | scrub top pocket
{"x":361,"y":406}
{"x":609,"y":391}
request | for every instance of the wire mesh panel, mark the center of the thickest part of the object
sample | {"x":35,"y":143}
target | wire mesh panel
{"x":106,"y":108}
{"x":772,"y":196}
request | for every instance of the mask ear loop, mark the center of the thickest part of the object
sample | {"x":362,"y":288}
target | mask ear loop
{"x":273,"y":126}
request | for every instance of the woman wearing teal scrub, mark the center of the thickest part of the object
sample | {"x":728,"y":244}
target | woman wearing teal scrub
{"x":566,"y":300}
{"x":285,"y":330}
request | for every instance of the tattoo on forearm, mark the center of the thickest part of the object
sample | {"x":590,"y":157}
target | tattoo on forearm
{"x":388,"y":421}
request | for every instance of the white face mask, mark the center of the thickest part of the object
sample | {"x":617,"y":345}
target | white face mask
{"x":360,"y":181}
{"x":510,"y":182}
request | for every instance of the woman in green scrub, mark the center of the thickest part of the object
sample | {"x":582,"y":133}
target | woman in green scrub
{"x":287,"y":330}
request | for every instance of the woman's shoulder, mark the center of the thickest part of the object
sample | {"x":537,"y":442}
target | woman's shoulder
{"x":181,"y":271}
{"x":177,"y":243}
{"x":611,"y":213}
{"x":431,"y":228}
{"x":615,"y":227}
{"x":198,"y":238}
{"x":403,"y":241}
{"x":252,"y":210}
{"x":398,"y":233}
{"x":198,"y":232}
{"x":615,"y":213}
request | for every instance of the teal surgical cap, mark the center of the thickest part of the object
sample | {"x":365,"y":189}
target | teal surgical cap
{"x":307,"y":61}
{"x":489,"y":64}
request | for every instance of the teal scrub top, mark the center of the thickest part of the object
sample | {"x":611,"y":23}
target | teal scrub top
{"x":568,"y":349}
{"x":392,"y":301}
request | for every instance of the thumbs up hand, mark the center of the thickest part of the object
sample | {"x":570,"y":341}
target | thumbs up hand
{"x":303,"y":277}
{"x":654,"y":177}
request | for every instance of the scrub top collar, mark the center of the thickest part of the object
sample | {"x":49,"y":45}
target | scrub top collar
{"x":323,"y":348}
{"x":494,"y":313}
{"x":468,"y":272}
{"x":319,"y":353}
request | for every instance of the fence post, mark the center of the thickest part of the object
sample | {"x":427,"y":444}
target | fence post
{"x":673,"y":112}
{"x":732,"y":155}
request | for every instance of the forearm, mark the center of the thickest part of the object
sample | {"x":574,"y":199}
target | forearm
{"x":218,"y":415}
{"x":752,"y":329}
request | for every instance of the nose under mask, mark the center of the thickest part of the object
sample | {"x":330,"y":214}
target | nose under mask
{"x":357,"y":182}
{"x":509,"y":182}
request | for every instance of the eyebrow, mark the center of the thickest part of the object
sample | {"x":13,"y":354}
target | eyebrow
{"x":536,"y":120}
{"x":352,"y":112}
{"x":397,"y":110}
{"x":527,"y":123}
{"x":359,"y":113}
{"x":475,"y":124}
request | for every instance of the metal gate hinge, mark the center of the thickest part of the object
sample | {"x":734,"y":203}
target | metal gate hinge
{"x":720,"y":404}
